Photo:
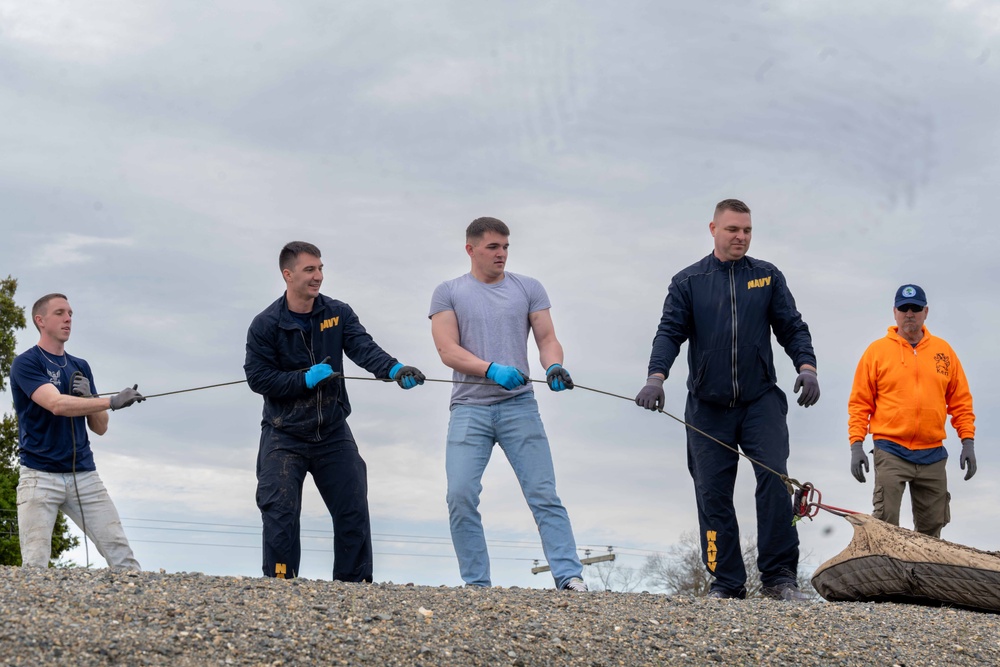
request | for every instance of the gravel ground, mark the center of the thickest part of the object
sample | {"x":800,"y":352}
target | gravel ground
{"x":99,"y":617}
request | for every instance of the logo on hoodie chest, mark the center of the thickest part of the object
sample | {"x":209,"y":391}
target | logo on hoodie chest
{"x":759,"y":282}
{"x":329,"y":323}
{"x":942,"y":363}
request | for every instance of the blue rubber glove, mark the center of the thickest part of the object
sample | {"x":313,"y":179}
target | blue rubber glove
{"x":507,"y":377}
{"x":558,"y":378}
{"x":406,"y":377}
{"x":318,"y":374}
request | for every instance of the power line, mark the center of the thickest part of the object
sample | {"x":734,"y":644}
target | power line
{"x":386,"y":537}
{"x":323,"y":551}
{"x":402,"y":538}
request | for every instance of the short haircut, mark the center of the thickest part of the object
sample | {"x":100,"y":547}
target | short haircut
{"x":41,"y":306}
{"x":734,"y":205}
{"x":291,"y":251}
{"x":478,"y":228}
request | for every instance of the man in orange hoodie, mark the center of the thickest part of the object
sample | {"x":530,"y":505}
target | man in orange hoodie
{"x":905,"y":386}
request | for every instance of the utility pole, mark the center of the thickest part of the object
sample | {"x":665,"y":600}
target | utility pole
{"x":586,"y":560}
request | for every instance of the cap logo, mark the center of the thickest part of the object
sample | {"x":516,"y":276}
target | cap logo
{"x":908,"y":291}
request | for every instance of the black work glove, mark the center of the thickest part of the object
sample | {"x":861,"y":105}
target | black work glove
{"x":558,"y":378}
{"x":858,"y":459}
{"x":651,"y":396}
{"x":126,"y":397}
{"x":409,"y":377}
{"x":968,"y":456}
{"x":80,"y":385}
{"x":808,"y":382}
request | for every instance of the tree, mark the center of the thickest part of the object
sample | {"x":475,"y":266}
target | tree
{"x":610,"y":576}
{"x":12,"y":319}
{"x":681,"y":570}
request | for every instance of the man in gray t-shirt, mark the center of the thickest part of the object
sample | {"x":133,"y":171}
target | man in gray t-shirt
{"x":480,"y":323}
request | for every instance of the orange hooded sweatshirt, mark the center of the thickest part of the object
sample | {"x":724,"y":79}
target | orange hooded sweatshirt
{"x":903,"y":393}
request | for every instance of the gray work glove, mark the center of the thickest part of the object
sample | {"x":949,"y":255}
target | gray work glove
{"x":808,"y":382}
{"x":858,"y":459}
{"x":126,"y":397}
{"x":968,"y":456}
{"x":80,"y":385}
{"x":651,"y":396}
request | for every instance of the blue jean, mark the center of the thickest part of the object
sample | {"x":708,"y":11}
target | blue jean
{"x":516,"y":426}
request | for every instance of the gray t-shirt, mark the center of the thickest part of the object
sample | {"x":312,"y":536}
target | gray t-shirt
{"x":493,"y":325}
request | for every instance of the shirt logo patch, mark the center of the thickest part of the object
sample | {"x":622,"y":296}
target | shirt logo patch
{"x":55,"y":377}
{"x":942,"y":363}
{"x":759,"y":282}
{"x":326,"y":324}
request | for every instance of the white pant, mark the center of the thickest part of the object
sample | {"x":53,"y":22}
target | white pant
{"x":40,"y":496}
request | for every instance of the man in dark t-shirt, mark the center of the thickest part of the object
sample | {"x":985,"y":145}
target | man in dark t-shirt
{"x":52,"y":391}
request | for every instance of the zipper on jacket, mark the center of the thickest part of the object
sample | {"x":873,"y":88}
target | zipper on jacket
{"x":319,"y":391}
{"x":916,"y":385}
{"x":732,"y":301}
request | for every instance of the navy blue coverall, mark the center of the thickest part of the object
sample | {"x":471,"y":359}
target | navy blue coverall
{"x":305,"y":430}
{"x":727,"y":311}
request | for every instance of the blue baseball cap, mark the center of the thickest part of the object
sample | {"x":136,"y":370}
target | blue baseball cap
{"x":910,"y":294}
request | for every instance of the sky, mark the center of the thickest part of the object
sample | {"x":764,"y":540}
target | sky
{"x":156,"y":157}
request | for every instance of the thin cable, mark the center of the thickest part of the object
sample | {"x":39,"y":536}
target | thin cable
{"x":76,"y":486}
{"x":401,"y":538}
{"x":789,"y":482}
{"x":335,"y":376}
{"x":438,"y":542}
{"x":181,"y":391}
{"x":324,"y":551}
{"x":785,"y":478}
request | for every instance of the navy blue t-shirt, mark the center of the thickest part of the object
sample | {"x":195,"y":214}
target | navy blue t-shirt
{"x":922,"y":457}
{"x":46,"y":440}
{"x":304,"y":320}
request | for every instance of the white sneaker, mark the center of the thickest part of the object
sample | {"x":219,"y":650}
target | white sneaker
{"x":576,"y":584}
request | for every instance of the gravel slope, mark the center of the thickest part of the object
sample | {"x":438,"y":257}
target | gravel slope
{"x":99,"y":617}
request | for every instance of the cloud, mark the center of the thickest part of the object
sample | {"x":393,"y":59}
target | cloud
{"x":72,"y":248}
{"x":158,"y":156}
{"x":57,"y":29}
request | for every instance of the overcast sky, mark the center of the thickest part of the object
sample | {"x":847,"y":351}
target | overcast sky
{"x":157,"y":155}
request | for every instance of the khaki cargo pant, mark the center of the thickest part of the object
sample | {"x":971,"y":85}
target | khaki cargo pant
{"x":929,"y":495}
{"x":40,"y":496}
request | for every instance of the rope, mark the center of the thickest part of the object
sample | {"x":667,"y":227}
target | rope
{"x":807,"y":499}
{"x":182,"y":391}
{"x":76,"y":487}
{"x":789,"y":482}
